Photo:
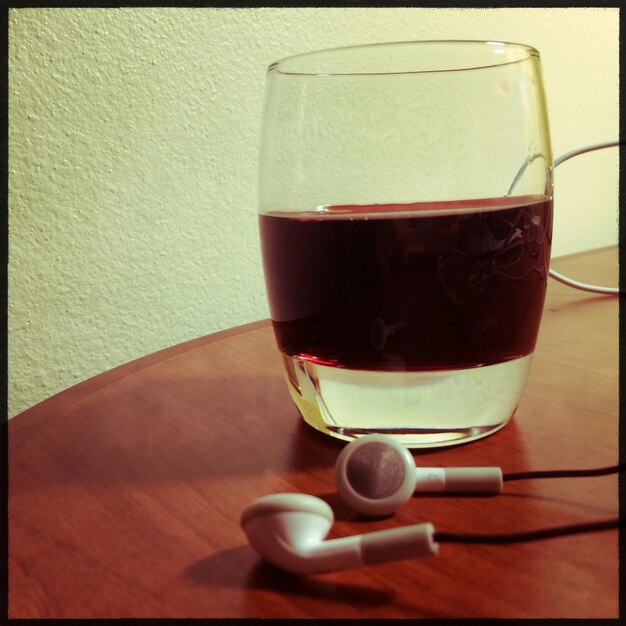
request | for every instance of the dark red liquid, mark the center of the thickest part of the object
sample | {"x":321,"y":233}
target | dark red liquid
{"x":401,"y":287}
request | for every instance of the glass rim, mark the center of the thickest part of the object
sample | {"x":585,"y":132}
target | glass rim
{"x":281,"y":66}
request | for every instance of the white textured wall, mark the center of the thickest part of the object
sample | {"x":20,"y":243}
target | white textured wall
{"x":132,"y":165}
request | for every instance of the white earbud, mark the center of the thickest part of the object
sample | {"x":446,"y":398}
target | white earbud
{"x":289,"y":530}
{"x":376,"y":475}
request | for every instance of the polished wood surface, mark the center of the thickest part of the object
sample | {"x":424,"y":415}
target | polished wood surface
{"x":125,"y":491}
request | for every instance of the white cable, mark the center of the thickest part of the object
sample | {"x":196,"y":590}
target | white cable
{"x":610,"y":291}
{"x":589,"y":148}
{"x":563,"y":279}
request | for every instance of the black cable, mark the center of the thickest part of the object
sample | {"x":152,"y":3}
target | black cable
{"x":533,"y":535}
{"x":600,"y":471}
{"x":544,"y":533}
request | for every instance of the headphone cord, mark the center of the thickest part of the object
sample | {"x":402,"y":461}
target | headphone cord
{"x":544,"y":533}
{"x":533,"y":535}
{"x":561,"y":159}
{"x":600,"y":471}
{"x":570,"y":282}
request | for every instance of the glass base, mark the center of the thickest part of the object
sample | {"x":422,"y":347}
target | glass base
{"x":423,"y":409}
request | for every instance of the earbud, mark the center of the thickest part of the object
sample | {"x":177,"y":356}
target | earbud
{"x":289,"y":530}
{"x":376,"y":475}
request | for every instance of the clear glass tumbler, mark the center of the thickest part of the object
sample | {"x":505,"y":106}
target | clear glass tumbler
{"x":405,"y":211}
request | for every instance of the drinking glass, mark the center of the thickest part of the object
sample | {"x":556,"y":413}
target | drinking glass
{"x":405,"y":215}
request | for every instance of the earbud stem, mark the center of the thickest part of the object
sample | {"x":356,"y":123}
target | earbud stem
{"x":380,"y":546}
{"x":398,"y":543}
{"x":474,"y":479}
{"x":458,"y":479}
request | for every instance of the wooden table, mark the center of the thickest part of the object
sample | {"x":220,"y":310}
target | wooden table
{"x":126,"y":490}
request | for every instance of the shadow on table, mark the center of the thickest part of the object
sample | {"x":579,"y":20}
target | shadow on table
{"x":240,"y":567}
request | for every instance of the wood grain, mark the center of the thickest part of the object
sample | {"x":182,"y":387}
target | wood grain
{"x":125,"y":491}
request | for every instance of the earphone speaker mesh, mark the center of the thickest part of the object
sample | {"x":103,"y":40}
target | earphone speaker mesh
{"x":375,"y":471}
